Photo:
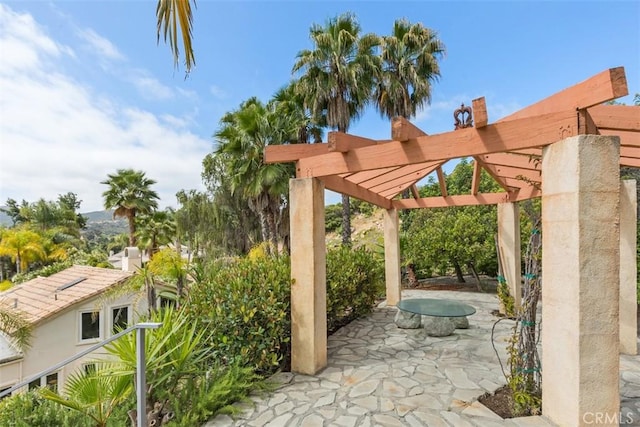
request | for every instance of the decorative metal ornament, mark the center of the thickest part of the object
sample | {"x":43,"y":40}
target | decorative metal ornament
{"x":463,"y":121}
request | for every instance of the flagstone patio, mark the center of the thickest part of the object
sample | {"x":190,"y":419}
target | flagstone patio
{"x":381,"y":375}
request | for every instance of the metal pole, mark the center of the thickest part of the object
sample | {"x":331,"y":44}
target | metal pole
{"x":141,"y":372}
{"x":141,"y":378}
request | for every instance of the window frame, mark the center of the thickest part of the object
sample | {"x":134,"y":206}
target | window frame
{"x":100,"y":327}
{"x":112,"y":331}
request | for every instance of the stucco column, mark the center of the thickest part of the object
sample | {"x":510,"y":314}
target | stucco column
{"x":509,"y":247}
{"x":392,"y":256}
{"x":581,"y":277}
{"x":308,"y":271}
{"x":628,"y":267}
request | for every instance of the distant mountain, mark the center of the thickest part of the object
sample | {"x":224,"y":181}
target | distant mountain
{"x":98,"y":216}
{"x":4,"y":218}
{"x":98,"y":223}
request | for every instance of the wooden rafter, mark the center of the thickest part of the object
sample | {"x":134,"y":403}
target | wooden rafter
{"x":475,"y":179}
{"x":616,"y":117}
{"x":442,"y":181}
{"x":511,"y":135}
{"x":605,"y":86}
{"x":345,"y":187}
{"x":339,"y":141}
{"x":479,"y":108}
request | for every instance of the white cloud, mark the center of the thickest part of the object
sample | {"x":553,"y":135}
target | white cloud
{"x":150,"y":87}
{"x":23,"y":44}
{"x":58,"y":134}
{"x":218,"y":92}
{"x":100,"y":45}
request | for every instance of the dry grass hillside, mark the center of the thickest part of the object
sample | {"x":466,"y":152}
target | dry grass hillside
{"x":365,"y":231}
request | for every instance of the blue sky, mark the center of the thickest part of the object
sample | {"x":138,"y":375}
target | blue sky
{"x":85,"y":89}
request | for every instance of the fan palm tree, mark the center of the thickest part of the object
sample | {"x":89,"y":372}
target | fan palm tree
{"x":409,"y":67}
{"x":242,"y":138}
{"x":129,"y":194}
{"x":156,"y":229}
{"x":337,"y":78}
{"x":174,"y":16}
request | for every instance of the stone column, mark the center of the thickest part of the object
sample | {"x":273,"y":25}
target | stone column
{"x":509,"y":248}
{"x":392,"y":256}
{"x":581,"y":277}
{"x":628,"y":266}
{"x":308,"y":272}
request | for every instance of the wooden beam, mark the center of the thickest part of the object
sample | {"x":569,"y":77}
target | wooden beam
{"x":527,"y":152}
{"x":491,"y":170}
{"x":497,"y":137}
{"x":605,"y":86}
{"x":627,"y":138}
{"x":632,"y":162}
{"x":475,"y":179}
{"x":360,"y":177}
{"x":412,"y":172}
{"x":514,"y":160}
{"x":403,"y":130}
{"x":619,"y":117}
{"x":459,"y":200}
{"x":480,"y":117}
{"x":442,"y":181}
{"x":525,"y":193}
{"x":391,"y":188}
{"x":345,"y":187}
{"x":292,"y":152}
{"x":341,"y":142}
{"x":633,"y":152}
{"x":414,"y":191}
{"x":521,"y":184}
{"x":509,"y":172}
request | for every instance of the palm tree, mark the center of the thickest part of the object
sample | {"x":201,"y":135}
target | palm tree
{"x":15,"y":325}
{"x":23,"y":246}
{"x":156,"y":229}
{"x":94,"y":394}
{"x":337,"y":79}
{"x":242,"y":138}
{"x":172,"y":14}
{"x":409,"y":67}
{"x":130,"y":194}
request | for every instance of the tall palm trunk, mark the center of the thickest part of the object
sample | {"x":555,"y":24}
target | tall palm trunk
{"x":346,"y":221}
{"x":346,"y":212}
{"x":131,"y":217}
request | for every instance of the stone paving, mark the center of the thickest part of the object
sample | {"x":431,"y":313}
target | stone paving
{"x":381,"y":375}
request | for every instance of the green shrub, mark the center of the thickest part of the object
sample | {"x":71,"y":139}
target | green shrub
{"x":333,"y":218}
{"x":31,"y":410}
{"x":245,"y":305}
{"x":202,"y":398}
{"x":355,"y":279}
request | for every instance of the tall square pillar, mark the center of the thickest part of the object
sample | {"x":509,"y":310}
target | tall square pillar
{"x":392,"y":256}
{"x":628,"y":268}
{"x":509,"y":249}
{"x":580,"y":276}
{"x":308,"y":271}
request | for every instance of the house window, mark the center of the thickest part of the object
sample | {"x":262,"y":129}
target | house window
{"x":52,"y":382}
{"x":119,"y":319}
{"x":90,"y":369}
{"x":2,"y":390}
{"x":34,"y":384}
{"x":89,"y":325}
{"x":167,"y":302}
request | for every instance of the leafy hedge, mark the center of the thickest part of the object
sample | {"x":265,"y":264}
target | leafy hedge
{"x":355,"y":280}
{"x":31,"y":410}
{"x":245,"y":304}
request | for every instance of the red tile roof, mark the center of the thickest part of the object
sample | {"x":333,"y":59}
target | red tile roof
{"x":43,"y":297}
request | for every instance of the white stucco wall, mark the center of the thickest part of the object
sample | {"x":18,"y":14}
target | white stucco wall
{"x":58,"y":338}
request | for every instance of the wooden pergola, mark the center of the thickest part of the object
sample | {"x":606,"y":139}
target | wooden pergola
{"x":589,"y":223}
{"x":378,"y":171}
